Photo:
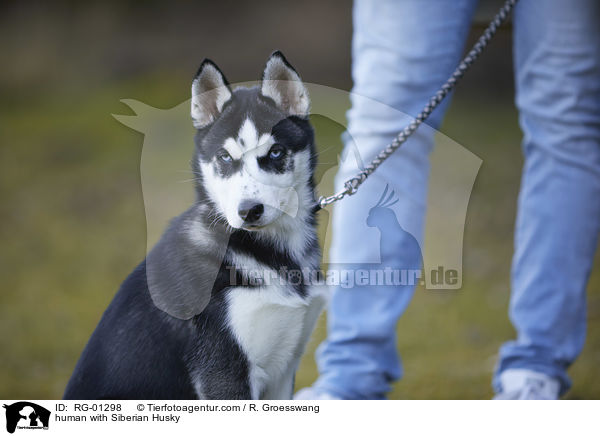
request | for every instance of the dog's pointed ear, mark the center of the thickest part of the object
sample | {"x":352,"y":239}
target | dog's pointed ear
{"x":282,"y":83}
{"x":210,"y":92}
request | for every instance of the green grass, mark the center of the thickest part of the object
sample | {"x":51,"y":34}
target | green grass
{"x":72,"y":226}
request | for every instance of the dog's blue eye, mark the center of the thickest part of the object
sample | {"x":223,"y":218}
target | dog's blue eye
{"x":276,"y":152}
{"x":225,"y":157}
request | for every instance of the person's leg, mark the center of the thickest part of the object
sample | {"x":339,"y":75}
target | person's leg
{"x":557,"y":69}
{"x":403,"y":51}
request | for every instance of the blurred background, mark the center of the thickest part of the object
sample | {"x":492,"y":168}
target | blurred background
{"x":72,"y":222}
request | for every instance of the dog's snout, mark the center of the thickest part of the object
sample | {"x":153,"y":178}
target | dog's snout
{"x":250,"y":211}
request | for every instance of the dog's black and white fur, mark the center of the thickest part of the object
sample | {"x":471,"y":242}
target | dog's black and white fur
{"x":188,"y":322}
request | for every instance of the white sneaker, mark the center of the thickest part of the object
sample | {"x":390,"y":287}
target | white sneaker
{"x":313,"y":394}
{"x":523,"y":384}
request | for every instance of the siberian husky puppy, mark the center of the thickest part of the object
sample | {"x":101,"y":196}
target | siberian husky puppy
{"x":223,"y":306}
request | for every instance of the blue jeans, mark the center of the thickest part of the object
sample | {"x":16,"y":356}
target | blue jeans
{"x":402,"y":52}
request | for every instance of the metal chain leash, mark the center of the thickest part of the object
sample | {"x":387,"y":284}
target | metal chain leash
{"x":351,"y":185}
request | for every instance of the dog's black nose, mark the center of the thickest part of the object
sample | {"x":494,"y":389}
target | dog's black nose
{"x":250,"y":211}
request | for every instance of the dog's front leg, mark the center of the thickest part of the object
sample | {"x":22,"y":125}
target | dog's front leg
{"x":283,"y":388}
{"x":222,"y":385}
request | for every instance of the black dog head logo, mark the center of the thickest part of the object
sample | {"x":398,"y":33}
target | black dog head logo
{"x":26,"y":414}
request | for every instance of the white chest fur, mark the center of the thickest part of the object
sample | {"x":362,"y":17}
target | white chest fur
{"x":272,"y":325}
